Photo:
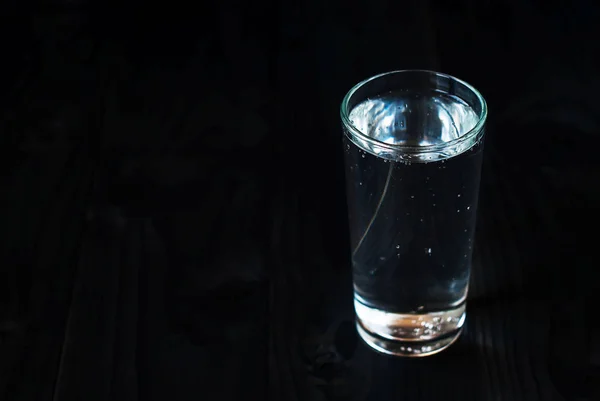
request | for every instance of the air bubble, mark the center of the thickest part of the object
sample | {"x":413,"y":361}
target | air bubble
{"x":428,"y":251}
{"x":458,"y":196}
{"x":468,"y":207}
{"x":397,"y":246}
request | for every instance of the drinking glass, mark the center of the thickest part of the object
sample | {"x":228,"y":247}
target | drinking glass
{"x":413,"y":143}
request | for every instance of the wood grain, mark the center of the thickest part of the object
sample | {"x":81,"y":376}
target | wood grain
{"x":168,"y":233}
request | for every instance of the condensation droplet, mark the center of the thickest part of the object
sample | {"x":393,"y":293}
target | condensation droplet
{"x":468,"y":207}
{"x":397,"y":246}
{"x":412,"y":197}
{"x":458,"y":196}
{"x":428,"y":251}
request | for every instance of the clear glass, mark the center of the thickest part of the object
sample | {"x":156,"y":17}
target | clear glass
{"x":413,"y":143}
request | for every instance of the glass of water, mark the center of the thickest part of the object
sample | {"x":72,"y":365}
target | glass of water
{"x":413,"y":143}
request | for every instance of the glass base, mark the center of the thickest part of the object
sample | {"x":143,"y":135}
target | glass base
{"x":410,"y":335}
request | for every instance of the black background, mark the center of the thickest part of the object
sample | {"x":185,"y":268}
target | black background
{"x":173,"y":219}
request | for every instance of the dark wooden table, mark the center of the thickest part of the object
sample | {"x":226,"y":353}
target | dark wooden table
{"x":173,"y":216}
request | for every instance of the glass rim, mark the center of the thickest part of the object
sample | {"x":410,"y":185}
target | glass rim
{"x":344,"y":114}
